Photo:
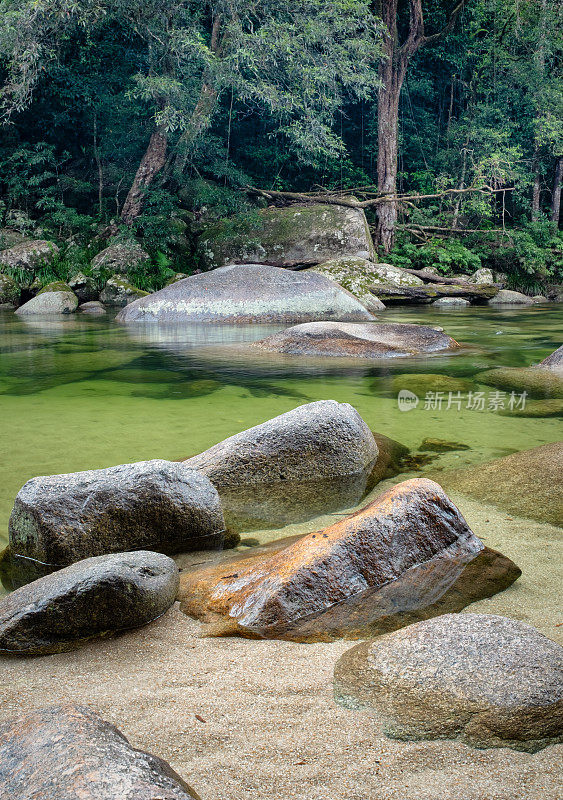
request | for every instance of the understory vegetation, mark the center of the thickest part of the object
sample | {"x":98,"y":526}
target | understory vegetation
{"x":149,"y":120}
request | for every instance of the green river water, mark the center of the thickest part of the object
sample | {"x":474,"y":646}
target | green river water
{"x":81,"y":393}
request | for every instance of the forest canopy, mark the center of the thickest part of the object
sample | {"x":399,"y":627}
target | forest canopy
{"x":149,"y":118}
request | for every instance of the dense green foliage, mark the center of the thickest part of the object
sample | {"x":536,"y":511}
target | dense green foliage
{"x":281,"y":95}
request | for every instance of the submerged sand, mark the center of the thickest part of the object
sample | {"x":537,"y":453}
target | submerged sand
{"x":267,"y":726}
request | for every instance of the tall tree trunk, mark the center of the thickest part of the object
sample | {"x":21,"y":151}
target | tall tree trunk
{"x":392,"y":72}
{"x":151,"y":164}
{"x":556,"y":196}
{"x":536,"y":193}
{"x":387,"y":146}
{"x":199,"y":120}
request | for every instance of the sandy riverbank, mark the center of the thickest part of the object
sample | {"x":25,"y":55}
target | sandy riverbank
{"x":272,"y":730}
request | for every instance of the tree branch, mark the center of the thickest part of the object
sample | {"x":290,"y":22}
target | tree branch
{"x":449,"y":25}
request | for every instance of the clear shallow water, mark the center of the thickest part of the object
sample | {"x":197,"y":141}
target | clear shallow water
{"x":81,"y":393}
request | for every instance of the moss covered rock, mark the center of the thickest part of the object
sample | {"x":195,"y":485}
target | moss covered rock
{"x":30,"y":255}
{"x":422,"y":383}
{"x":55,"y":286}
{"x":119,"y":292}
{"x":9,"y":292}
{"x":287,"y":237}
{"x":356,"y":275}
{"x":84,"y":287}
{"x":120,"y":257}
{"x":50,"y":302}
{"x":395,"y":276}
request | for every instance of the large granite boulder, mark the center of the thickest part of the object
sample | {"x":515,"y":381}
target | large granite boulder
{"x":9,"y":292}
{"x":403,"y":550}
{"x":357,"y":340}
{"x":154,"y":505}
{"x":528,"y":483}
{"x":50,"y":302}
{"x":85,"y":600}
{"x":69,"y":753}
{"x":539,"y":381}
{"x":119,"y":292}
{"x":356,"y":275}
{"x":120,"y":257}
{"x":312,"y":460}
{"x":30,"y":255}
{"x":554,"y":361}
{"x":246,"y":294}
{"x":288,"y":237}
{"x":486,"y":680}
{"x":506,"y":297}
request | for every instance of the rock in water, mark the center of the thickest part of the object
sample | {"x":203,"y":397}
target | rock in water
{"x":400,"y":552}
{"x":69,"y":752}
{"x":356,"y":275}
{"x":373,"y":340}
{"x":487,"y":680}
{"x":506,"y":297}
{"x":245,"y":294}
{"x":157,"y":505}
{"x":65,"y":302}
{"x":289,"y":237}
{"x":86,"y":600}
{"x":314,"y":459}
{"x":119,"y":292}
{"x":539,"y":381}
{"x":529,"y":483}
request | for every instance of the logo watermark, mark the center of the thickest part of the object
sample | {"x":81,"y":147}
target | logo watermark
{"x":473,"y":401}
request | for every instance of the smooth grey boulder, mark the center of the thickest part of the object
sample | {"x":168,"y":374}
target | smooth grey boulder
{"x":50,"y":303}
{"x":247,"y":293}
{"x":288,"y":237}
{"x":119,"y":292}
{"x":93,"y":307}
{"x":306,"y":462}
{"x":68,"y":752}
{"x":155,"y":505}
{"x":88,"y":599}
{"x":554,"y":361}
{"x":449,"y":302}
{"x":30,"y":255}
{"x":357,"y":340}
{"x":119,"y":257}
{"x":487,"y":680}
{"x":506,"y":297}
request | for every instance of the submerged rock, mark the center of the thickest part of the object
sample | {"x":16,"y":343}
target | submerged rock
{"x":246,"y":294}
{"x":484,"y":679}
{"x":288,"y":237}
{"x":536,"y":408}
{"x":85,"y":600}
{"x":156,"y":505}
{"x":50,"y":302}
{"x":69,"y":752}
{"x":93,"y":307}
{"x":535,"y":381}
{"x":30,"y":255}
{"x":399,"y":553}
{"x":506,"y":297}
{"x":528,"y":483}
{"x":424,"y":382}
{"x":373,"y":340}
{"x":312,"y":460}
{"x":554,"y":361}
{"x":119,"y":292}
{"x":441,"y":446}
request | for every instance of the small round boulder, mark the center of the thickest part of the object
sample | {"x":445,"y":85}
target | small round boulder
{"x":487,"y":680}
